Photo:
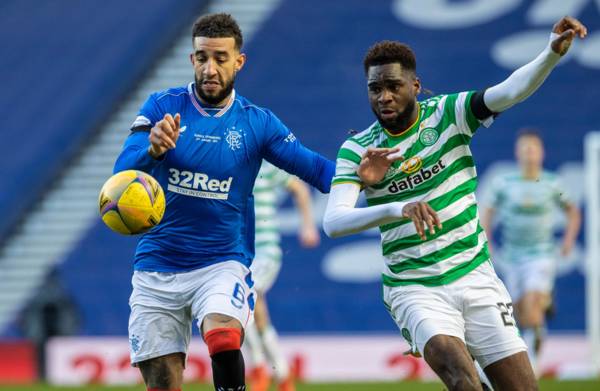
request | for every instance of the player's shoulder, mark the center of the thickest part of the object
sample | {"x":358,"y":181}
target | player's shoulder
{"x":170,"y":94}
{"x":507,"y":179}
{"x":244,"y":104}
{"x":441,"y":101}
{"x":365,"y":138}
{"x":549,"y":177}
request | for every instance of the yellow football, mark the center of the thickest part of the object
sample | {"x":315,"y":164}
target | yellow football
{"x":131,"y":202}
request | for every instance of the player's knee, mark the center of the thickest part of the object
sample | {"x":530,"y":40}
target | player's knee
{"x":223,"y":339}
{"x":216,"y":321}
{"x":163,"y":372}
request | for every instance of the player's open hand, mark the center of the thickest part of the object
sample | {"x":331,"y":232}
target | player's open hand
{"x":422,"y":215}
{"x":375,"y":163}
{"x":163,"y":136}
{"x":567,"y":28}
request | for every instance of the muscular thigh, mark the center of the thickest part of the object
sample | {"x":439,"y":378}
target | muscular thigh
{"x":512,"y":373}
{"x":450,"y":360}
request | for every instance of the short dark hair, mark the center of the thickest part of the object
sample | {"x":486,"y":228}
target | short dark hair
{"x":388,"y":52}
{"x":218,"y":26}
{"x":529,"y":132}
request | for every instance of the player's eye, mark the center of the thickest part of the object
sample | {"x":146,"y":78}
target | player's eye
{"x":375,"y":89}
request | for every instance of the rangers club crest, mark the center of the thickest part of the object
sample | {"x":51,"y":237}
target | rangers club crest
{"x":233,"y":138}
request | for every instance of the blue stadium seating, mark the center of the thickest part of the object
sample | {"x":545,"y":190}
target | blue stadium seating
{"x":65,"y":66}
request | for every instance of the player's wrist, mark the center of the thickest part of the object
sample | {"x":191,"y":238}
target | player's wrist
{"x":154,"y":154}
{"x":396,"y":209}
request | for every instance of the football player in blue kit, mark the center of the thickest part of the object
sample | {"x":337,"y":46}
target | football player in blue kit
{"x":204,"y":143}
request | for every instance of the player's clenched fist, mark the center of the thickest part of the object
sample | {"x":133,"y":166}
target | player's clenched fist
{"x":163,"y":136}
{"x":422,"y":214}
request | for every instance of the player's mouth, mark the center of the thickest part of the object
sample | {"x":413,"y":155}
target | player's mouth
{"x":210,"y":85}
{"x":387,"y":114}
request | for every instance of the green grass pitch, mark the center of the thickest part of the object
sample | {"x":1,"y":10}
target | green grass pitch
{"x":545,"y":385}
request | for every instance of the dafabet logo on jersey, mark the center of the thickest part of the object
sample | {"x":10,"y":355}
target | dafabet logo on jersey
{"x":198,"y":184}
{"x":416,"y":174}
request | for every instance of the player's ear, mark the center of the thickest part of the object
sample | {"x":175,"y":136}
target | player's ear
{"x":240,"y":61}
{"x":192,"y":58}
{"x":417,"y":86}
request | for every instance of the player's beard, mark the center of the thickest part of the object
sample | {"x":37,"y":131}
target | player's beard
{"x":214,"y":100}
{"x":401,"y":122}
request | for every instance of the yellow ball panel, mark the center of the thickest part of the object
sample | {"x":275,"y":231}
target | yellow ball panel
{"x":138,"y":219}
{"x":114,"y":222}
{"x":135,"y":195}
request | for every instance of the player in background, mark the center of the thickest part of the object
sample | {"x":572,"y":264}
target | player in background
{"x":525,"y":203}
{"x":261,"y":336}
{"x":418,"y":173}
{"x":204,"y":143}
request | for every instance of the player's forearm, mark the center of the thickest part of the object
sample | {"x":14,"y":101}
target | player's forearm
{"x":486,"y":221}
{"x":343,"y":218}
{"x":573,"y":224}
{"x":303,"y":202}
{"x":135,"y":155}
{"x":523,"y":82}
{"x":307,"y":165}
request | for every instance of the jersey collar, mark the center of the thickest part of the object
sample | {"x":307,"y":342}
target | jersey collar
{"x":198,"y":105}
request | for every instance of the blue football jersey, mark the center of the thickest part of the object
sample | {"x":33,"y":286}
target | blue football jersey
{"x":209,"y":176}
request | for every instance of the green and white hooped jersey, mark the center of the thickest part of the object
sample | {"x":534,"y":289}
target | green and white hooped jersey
{"x":439,"y":169}
{"x":267,"y":188}
{"x":527,"y":210}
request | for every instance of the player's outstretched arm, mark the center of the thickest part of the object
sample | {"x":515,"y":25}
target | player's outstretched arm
{"x":526,"y":80}
{"x":308,"y":233}
{"x":343,"y":218}
{"x":572,"y":229}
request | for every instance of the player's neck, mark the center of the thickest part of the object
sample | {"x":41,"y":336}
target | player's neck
{"x":531,"y":172}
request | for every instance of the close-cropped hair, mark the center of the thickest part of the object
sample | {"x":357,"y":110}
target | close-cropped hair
{"x":389,"y":52}
{"x":218,"y":26}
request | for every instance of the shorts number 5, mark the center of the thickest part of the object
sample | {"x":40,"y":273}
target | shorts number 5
{"x":238,"y":297}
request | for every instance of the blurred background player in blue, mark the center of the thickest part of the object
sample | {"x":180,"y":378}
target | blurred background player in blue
{"x":204,"y":143}
{"x":261,"y":337}
{"x":525,"y":203}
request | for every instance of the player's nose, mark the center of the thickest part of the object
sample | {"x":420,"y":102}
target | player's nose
{"x":210,"y":68}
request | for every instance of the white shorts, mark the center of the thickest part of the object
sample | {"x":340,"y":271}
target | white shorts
{"x":529,"y":275}
{"x":163,"y":306}
{"x":265,"y":270}
{"x":475,"y":308}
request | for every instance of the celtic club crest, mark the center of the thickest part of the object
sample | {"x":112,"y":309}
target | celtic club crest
{"x":429,"y":136}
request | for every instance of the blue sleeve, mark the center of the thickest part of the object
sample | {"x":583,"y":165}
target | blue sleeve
{"x":282,"y":149}
{"x":134,"y":155}
{"x":150,"y":113}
